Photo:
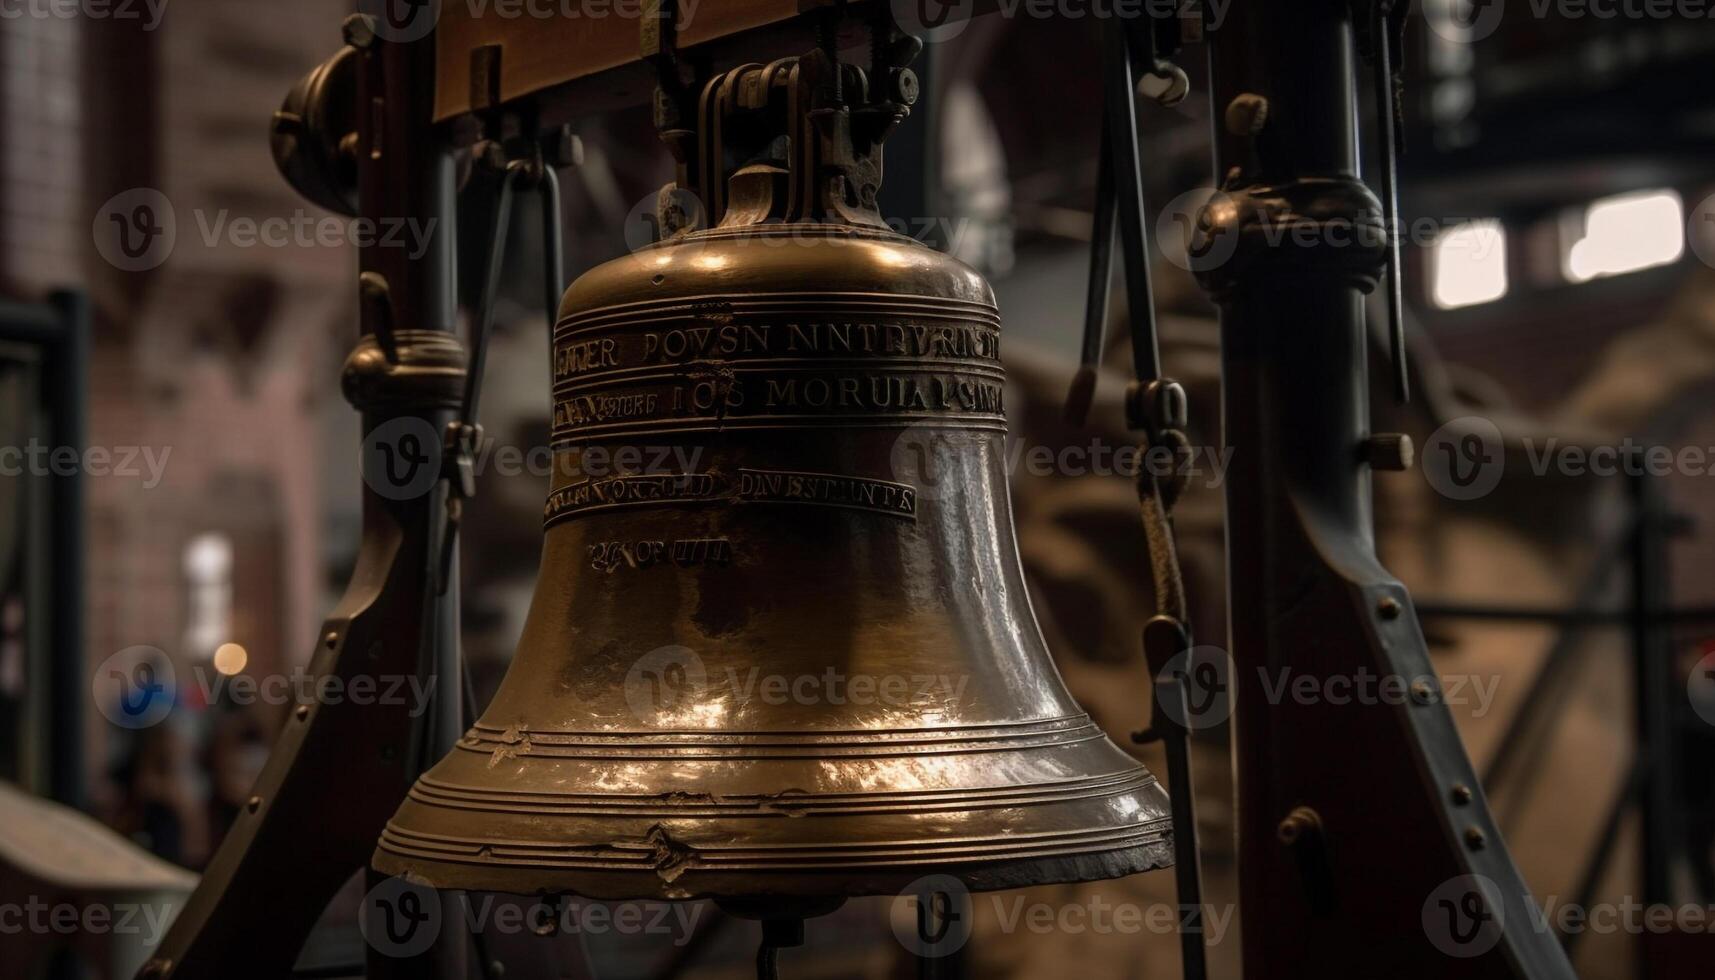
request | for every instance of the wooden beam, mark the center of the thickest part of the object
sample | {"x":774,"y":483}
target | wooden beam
{"x":584,"y":64}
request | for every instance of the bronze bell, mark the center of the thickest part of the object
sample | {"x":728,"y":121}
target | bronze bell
{"x":780,"y":643}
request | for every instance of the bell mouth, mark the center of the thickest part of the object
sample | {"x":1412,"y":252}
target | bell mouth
{"x":1006,"y":811}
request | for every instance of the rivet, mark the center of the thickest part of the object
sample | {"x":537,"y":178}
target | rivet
{"x":1389,"y":608}
{"x":254,"y":804}
{"x":332,"y":639}
{"x":1476,"y":839}
{"x":1461,"y":794}
{"x":1300,"y":823}
{"x":303,"y":711}
{"x":1423,"y":692}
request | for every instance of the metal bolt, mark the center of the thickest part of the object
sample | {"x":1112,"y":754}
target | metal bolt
{"x":254,"y":804}
{"x":359,"y":31}
{"x":1461,"y":794}
{"x":1422,"y":691}
{"x":906,"y":87}
{"x":1299,"y":824}
{"x":1247,"y":114}
{"x":1389,"y":608}
{"x":332,"y":639}
{"x":303,"y":711}
{"x":563,"y":148}
{"x":1389,"y":451}
{"x":1475,"y":839}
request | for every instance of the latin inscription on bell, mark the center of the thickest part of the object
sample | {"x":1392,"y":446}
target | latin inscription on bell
{"x":751,"y":486}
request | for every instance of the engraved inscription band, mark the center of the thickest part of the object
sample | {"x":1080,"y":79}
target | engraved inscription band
{"x":749,"y":487}
{"x":773,"y":362}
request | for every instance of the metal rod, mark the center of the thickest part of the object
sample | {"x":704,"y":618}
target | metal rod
{"x":1187,"y":869}
{"x":1654,"y":683}
{"x":1606,"y":840}
{"x":68,"y":393}
{"x":1119,"y":77}
{"x":1388,"y":163}
{"x":1552,"y":674}
{"x":553,"y":247}
{"x":484,"y":322}
{"x":1083,"y":389}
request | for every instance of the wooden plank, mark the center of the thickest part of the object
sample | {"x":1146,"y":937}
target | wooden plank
{"x":577,"y":65}
{"x":538,"y":54}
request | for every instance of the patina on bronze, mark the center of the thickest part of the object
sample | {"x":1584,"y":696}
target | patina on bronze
{"x":780,"y":643}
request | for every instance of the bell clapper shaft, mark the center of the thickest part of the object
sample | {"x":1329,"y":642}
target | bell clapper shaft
{"x":777,"y":934}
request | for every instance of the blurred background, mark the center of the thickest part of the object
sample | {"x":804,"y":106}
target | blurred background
{"x":1560,"y":288}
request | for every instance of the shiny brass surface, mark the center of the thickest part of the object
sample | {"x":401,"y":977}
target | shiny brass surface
{"x":780,"y":643}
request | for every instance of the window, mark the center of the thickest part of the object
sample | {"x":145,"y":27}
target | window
{"x":1468,"y":264}
{"x":1623,"y":234}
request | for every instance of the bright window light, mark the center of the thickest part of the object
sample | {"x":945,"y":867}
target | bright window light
{"x":1468,"y":264}
{"x":1624,"y":234}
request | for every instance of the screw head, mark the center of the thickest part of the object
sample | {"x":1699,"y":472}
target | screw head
{"x":1390,"y":452}
{"x":359,"y":31}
